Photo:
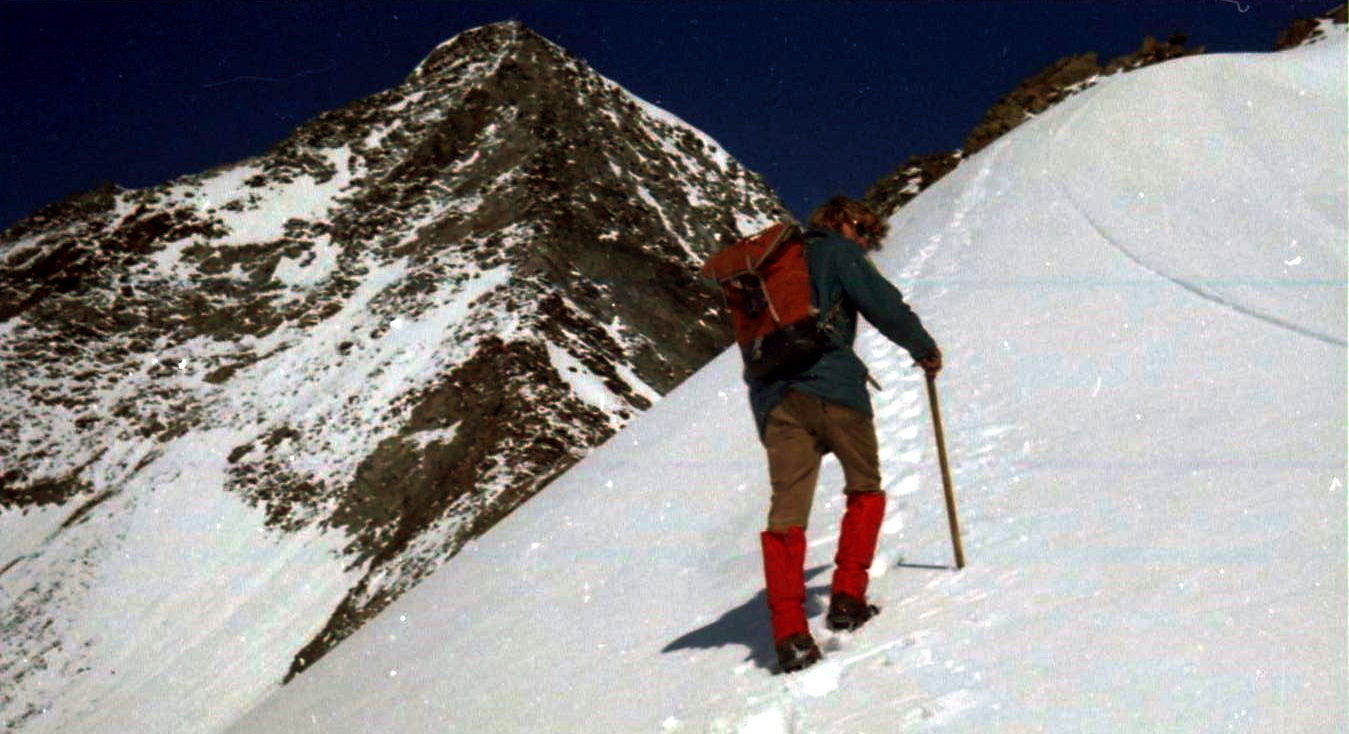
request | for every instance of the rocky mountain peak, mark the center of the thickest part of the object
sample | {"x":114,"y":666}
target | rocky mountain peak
{"x":391,"y":328}
{"x":484,"y":44}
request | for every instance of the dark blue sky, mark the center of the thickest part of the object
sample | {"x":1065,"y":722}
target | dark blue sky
{"x":819,"y":97}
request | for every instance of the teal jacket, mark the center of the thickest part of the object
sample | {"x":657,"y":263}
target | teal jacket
{"x":841,"y":273}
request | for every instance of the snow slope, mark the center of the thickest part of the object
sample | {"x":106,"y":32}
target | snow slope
{"x":1141,"y":296}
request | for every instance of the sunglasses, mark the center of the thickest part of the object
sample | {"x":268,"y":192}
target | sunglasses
{"x":865,"y":232}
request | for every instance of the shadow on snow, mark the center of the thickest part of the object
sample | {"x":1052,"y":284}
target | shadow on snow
{"x":748,"y":625}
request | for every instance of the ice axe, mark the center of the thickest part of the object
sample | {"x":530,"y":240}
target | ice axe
{"x":945,"y":471}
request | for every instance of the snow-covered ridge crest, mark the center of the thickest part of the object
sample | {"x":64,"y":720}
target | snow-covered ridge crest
{"x":1149,"y":467}
{"x":354,"y":352}
{"x":1057,"y":82}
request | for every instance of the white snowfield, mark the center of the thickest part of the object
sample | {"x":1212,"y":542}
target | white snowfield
{"x":1141,"y":299}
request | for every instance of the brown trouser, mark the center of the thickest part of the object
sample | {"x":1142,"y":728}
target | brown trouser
{"x":800,"y":431}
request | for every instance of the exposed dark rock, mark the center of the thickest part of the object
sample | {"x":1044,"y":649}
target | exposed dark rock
{"x":1307,"y":30}
{"x":909,"y":180}
{"x":43,"y":491}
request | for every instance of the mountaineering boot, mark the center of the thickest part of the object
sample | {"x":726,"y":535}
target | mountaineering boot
{"x":796,"y":652}
{"x":848,"y":608}
{"x":847,"y":613}
{"x":784,"y":560}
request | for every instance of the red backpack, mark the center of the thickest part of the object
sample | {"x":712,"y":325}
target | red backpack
{"x":767,"y":288}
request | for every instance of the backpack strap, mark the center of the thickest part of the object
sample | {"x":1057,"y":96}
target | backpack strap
{"x":826,"y":316}
{"x":827,"y":319}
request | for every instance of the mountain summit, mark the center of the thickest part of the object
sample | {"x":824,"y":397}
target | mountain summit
{"x":361,"y":348}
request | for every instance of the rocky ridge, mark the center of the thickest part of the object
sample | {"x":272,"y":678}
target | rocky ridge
{"x":1306,"y":31}
{"x":397,"y":324}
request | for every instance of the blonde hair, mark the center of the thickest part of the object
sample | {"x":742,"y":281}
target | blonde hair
{"x":841,"y":210}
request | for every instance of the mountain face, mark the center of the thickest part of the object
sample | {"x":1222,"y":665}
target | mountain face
{"x":392,"y":328}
